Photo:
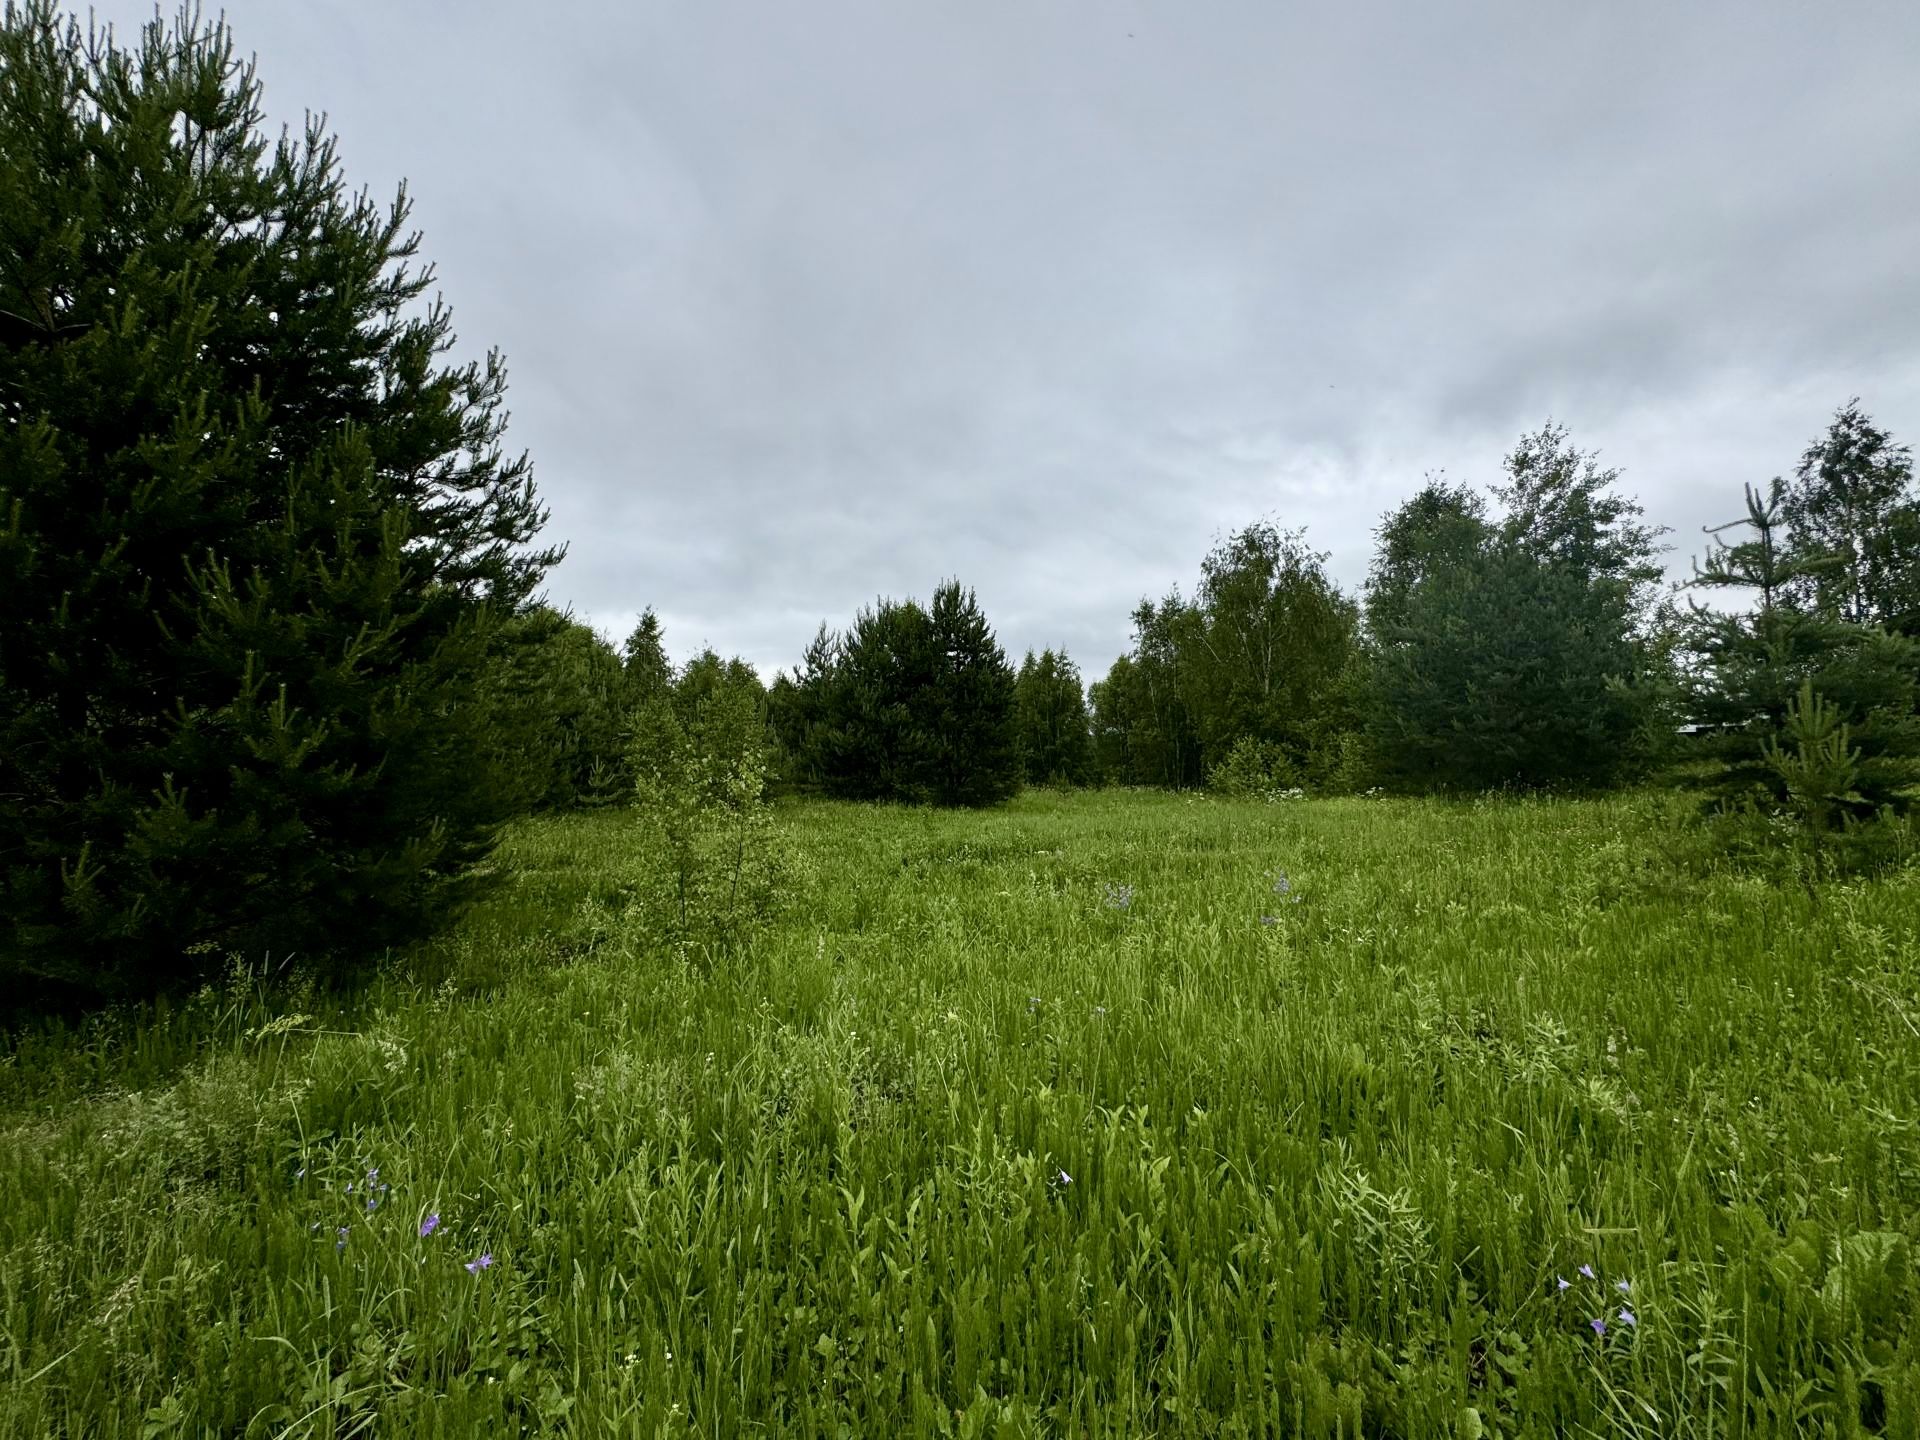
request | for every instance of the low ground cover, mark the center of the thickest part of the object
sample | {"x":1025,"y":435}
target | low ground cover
{"x":1118,"y":1113}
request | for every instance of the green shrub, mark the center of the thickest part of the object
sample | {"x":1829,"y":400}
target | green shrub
{"x":1253,"y":770}
{"x":717,"y":864}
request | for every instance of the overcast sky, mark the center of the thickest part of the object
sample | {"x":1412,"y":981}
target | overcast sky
{"x":809,"y":302}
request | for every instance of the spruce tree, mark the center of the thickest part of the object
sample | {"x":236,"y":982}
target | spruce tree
{"x":258,"y":539}
{"x":879,"y":742}
{"x":799,"y":714}
{"x":643,"y":660}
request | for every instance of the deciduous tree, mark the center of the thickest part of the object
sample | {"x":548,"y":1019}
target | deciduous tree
{"x":1521,"y":653}
{"x":1854,"y":520}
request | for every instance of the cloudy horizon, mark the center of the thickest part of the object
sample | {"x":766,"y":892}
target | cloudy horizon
{"x":805,"y":305}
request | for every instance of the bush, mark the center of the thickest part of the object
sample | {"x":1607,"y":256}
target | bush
{"x":1253,"y":770}
{"x":718,"y":865}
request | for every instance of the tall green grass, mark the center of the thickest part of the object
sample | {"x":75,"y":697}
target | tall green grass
{"x":1054,"y":1120}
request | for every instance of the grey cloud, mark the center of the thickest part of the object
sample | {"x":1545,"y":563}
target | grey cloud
{"x":809,"y":303}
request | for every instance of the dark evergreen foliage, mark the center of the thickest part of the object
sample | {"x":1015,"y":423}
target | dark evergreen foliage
{"x":911,"y":704}
{"x":643,"y":660}
{"x":1754,"y":676}
{"x":879,"y":745}
{"x":970,"y":707}
{"x":257,"y":538}
{"x":560,"y":700}
{"x":799,"y":712}
{"x":1442,"y":527}
{"x":1509,"y":672}
{"x":1050,"y":710}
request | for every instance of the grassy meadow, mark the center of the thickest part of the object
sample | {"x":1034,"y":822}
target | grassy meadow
{"x":1065,"y":1119}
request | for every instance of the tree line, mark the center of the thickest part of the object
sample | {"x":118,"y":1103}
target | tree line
{"x":274,"y":662}
{"x":1513,"y":638}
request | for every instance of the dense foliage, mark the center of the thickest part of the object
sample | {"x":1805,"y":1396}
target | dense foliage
{"x":909,"y":704}
{"x":1105,"y":1115}
{"x":699,"y":755}
{"x":561,"y":702}
{"x":1051,"y":722}
{"x":1853,"y":519}
{"x":1807,"y":702}
{"x":273,"y":664}
{"x":1517,"y":653}
{"x":1259,"y":653}
{"x":1143,"y":728}
{"x":258,"y":539}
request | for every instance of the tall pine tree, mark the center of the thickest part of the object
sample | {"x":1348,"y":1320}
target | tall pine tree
{"x":257,"y":537}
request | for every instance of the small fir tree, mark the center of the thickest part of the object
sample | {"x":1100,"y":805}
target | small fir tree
{"x":1821,"y":772}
